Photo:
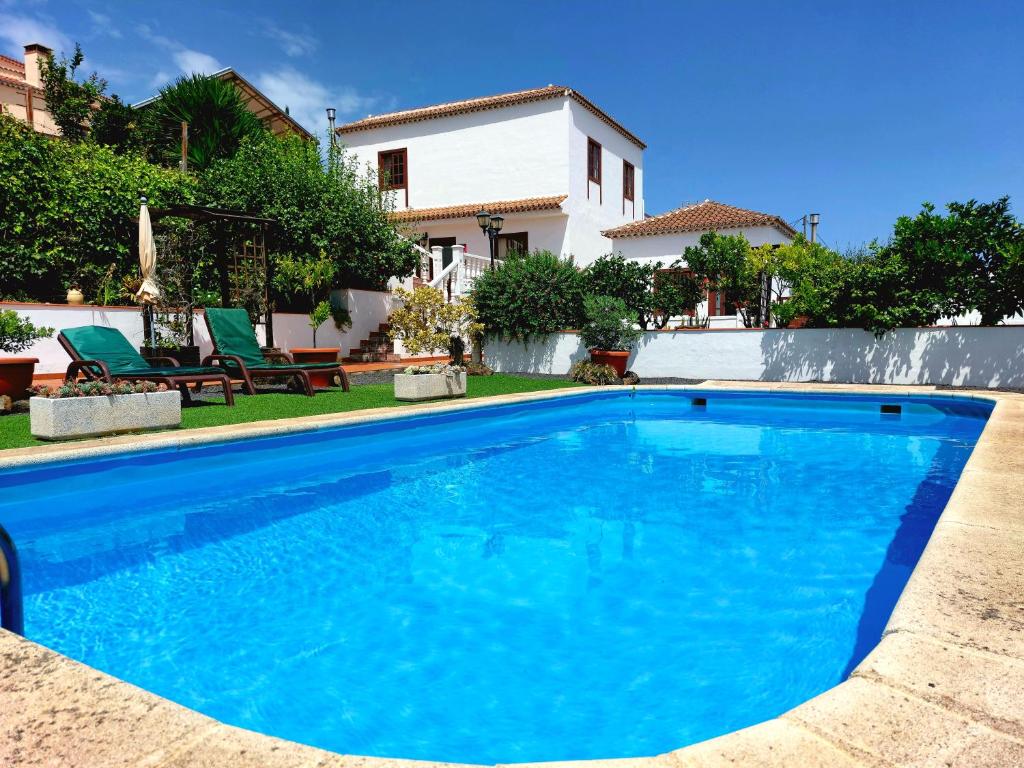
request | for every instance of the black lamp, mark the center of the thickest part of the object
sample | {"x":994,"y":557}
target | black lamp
{"x":491,"y":226}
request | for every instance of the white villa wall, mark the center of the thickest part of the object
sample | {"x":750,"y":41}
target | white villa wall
{"x":501,"y":154}
{"x":602,"y":209}
{"x":368,"y":310}
{"x":975,"y":357}
{"x":546,"y":231}
{"x":668,"y":248}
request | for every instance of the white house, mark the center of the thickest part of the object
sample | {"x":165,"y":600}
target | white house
{"x":664,"y":238}
{"x":557,"y":168}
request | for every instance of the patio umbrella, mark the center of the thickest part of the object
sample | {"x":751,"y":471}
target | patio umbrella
{"x":148,"y":292}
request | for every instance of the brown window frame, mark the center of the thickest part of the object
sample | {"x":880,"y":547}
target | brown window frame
{"x":591,"y":144}
{"x":520,"y":237}
{"x":391,"y":186}
{"x":628,"y":172}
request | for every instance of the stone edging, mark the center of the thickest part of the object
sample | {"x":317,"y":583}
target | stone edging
{"x":943,"y":687}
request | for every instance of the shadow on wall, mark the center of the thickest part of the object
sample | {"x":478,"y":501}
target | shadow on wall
{"x":542,"y":355}
{"x":983,"y":357}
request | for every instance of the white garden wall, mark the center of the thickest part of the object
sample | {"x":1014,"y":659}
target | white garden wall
{"x":963,"y":356}
{"x":368,"y":309}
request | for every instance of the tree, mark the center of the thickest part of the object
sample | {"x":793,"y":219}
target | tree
{"x":333,"y":208}
{"x":972,"y":259}
{"x":312,"y":278}
{"x":530,"y":295}
{"x":67,"y":209}
{"x":116,"y":125}
{"x":69,"y":101}
{"x":819,"y":282}
{"x":217,"y":116}
{"x":652,"y":293}
{"x":427,"y":323}
{"x":724,"y":265}
{"x":16,"y":334}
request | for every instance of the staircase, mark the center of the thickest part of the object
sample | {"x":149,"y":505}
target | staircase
{"x":376,"y":349}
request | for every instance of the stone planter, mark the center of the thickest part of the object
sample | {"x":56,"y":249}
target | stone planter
{"x":429,"y":386}
{"x":68,"y":418}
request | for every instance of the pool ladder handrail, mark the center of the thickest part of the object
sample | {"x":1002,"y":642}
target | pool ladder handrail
{"x":12,"y":616}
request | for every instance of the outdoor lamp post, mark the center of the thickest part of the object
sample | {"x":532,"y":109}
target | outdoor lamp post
{"x":491,"y":226}
{"x":331,"y":113}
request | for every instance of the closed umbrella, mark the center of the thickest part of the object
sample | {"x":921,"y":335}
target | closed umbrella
{"x":148,"y":292}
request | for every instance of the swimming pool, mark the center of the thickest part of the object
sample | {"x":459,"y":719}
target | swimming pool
{"x":591,"y":576}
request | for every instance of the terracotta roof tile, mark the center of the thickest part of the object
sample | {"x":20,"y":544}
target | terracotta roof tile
{"x":484,"y":103}
{"x":471,"y":209}
{"x":12,"y":65}
{"x":700,"y":217}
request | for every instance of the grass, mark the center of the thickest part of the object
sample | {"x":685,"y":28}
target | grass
{"x":14,"y":430}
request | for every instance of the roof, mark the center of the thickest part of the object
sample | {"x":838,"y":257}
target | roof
{"x":700,"y":217}
{"x":484,"y":103}
{"x":256,"y":100}
{"x":471,"y":209}
{"x":7,"y":64}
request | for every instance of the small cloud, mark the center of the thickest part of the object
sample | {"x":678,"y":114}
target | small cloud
{"x":103,"y":26}
{"x":195,"y":62}
{"x":188,"y":60}
{"x":160,"y":79}
{"x":307,"y":99}
{"x":17,"y":31}
{"x":292,"y":43}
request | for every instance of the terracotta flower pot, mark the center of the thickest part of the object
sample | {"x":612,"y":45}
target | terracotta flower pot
{"x":616,"y":358}
{"x":317,"y":355}
{"x":16,"y":376}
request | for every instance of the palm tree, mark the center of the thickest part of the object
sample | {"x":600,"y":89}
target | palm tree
{"x":217,"y":118}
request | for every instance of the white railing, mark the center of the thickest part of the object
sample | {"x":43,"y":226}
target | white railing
{"x":457,"y":278}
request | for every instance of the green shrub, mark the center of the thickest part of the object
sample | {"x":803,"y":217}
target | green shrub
{"x":594,"y":374}
{"x":652,"y":293}
{"x":608,"y":324}
{"x":530,"y":295}
{"x":17,"y":335}
{"x":333,"y":210}
{"x":66,"y":212}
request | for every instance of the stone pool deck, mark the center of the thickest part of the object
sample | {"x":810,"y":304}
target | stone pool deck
{"x":945,"y":686}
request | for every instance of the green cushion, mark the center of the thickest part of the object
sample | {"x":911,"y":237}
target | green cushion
{"x":233,"y":335}
{"x":94,"y":342}
{"x":282,"y":366}
{"x":170,"y":370}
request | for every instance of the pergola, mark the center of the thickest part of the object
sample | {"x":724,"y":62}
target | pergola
{"x":242,"y":260}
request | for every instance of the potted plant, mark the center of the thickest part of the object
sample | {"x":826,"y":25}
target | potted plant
{"x":17,"y":335}
{"x":312,"y":278}
{"x":427,"y":324}
{"x":608,"y":331}
{"x":95,"y":408}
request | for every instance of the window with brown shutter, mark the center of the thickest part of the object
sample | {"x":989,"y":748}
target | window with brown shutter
{"x":593,"y":161}
{"x":393,"y":168}
{"x":627,"y":181}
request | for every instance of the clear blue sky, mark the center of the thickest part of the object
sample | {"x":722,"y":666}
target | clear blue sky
{"x":860,"y":110}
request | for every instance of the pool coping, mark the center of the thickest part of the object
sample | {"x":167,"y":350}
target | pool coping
{"x":942,"y":687}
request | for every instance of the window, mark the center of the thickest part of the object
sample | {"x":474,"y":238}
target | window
{"x":513,"y":241}
{"x":393,"y":169}
{"x":627,"y":181}
{"x":593,"y":161}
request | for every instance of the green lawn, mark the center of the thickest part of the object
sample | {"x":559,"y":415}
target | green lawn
{"x":14,"y":431}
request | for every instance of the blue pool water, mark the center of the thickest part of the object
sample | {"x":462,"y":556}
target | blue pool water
{"x":605,"y":575}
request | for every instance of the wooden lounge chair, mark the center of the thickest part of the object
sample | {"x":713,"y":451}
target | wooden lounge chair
{"x":237,"y":351}
{"x":104,"y":354}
